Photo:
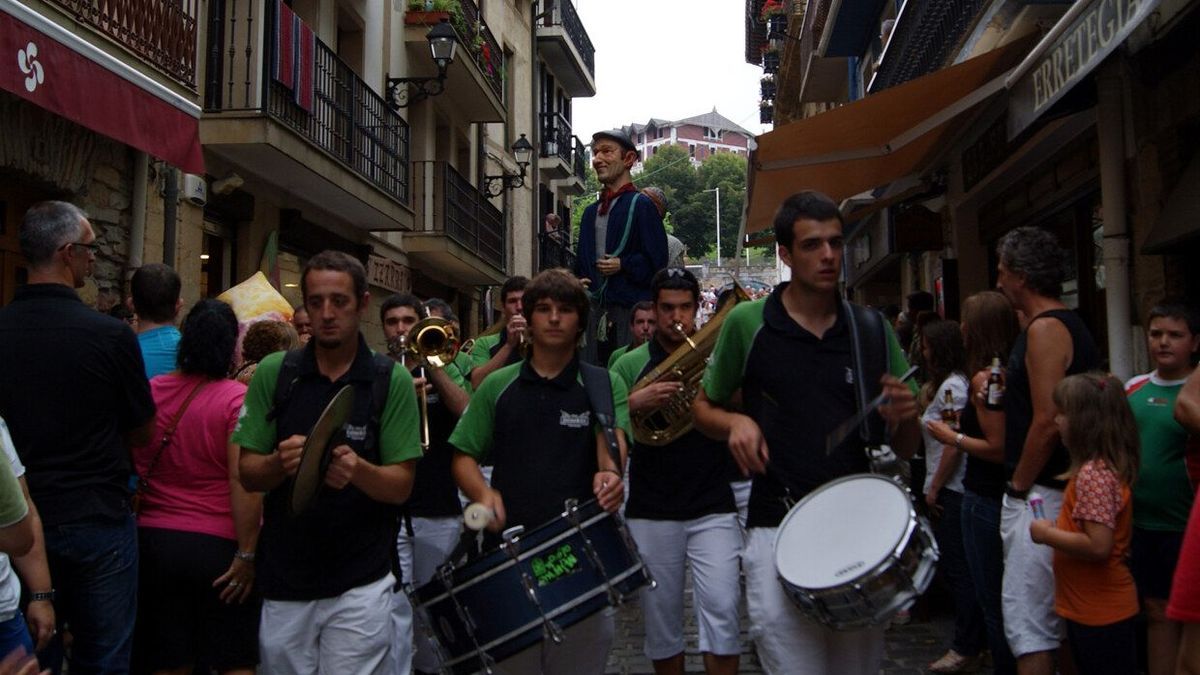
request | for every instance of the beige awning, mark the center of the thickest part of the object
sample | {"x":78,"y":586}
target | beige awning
{"x":875,"y":140}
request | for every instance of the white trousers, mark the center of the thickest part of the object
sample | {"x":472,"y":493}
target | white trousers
{"x":1027,"y":593}
{"x":420,"y":555}
{"x":350,"y":634}
{"x":712,"y":546}
{"x":788,"y":642}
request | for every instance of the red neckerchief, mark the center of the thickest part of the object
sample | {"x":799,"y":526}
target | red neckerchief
{"x":607,"y":197}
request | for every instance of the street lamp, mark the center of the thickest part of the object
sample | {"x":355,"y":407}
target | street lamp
{"x":718,"y":191}
{"x":522,"y":151}
{"x":443,"y":44}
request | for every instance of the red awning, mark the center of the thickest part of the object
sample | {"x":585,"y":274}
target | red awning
{"x":57,"y":70}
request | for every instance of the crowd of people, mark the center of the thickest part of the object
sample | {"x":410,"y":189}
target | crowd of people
{"x":154,"y":514}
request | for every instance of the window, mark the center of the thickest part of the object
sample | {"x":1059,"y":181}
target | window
{"x":712,"y":134}
{"x":691,"y":149}
{"x":712,"y":150}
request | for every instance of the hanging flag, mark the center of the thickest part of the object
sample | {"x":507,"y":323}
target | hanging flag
{"x":293,"y":57}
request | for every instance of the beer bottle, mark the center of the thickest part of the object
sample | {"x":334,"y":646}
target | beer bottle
{"x":949,"y":414}
{"x":995,"y":387}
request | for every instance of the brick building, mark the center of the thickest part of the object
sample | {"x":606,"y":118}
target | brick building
{"x":701,"y":135}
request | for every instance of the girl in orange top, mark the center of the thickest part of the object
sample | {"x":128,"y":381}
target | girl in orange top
{"x":1094,"y":589}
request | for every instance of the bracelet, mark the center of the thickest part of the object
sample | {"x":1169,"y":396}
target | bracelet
{"x":42,"y":595}
{"x":244,"y":556}
{"x":958,"y":440}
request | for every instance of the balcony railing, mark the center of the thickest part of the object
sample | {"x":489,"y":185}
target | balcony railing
{"x":349,"y":120}
{"x":562,"y":13}
{"x":163,"y":32}
{"x":923,"y":38}
{"x":556,"y":136}
{"x":461,"y":212}
{"x":579,"y":159}
{"x":554,"y":250}
{"x":484,"y":48}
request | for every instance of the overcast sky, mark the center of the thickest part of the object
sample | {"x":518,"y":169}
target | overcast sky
{"x":668,"y":59}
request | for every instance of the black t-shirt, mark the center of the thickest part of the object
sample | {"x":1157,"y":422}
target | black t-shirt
{"x":1018,"y":400}
{"x":685,"y":479}
{"x":434,"y":493}
{"x":982,"y":477}
{"x":72,"y":384}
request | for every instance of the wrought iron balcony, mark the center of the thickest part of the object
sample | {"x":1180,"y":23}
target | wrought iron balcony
{"x":579,"y":158}
{"x":349,"y":121}
{"x":484,"y":49}
{"x":474,"y":85}
{"x":163,"y":32}
{"x":556,"y":144}
{"x":458,"y":229}
{"x":566,"y":46}
{"x":922,"y":40}
{"x":554,"y":249}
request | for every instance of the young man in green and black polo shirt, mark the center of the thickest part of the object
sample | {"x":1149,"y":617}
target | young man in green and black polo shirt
{"x":681,"y":509}
{"x":534,"y":422}
{"x":493,"y":352}
{"x":431,"y":519}
{"x":641,"y":328}
{"x":326,"y":574}
{"x":791,"y":355}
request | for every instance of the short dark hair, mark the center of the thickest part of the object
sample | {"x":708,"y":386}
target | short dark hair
{"x":47,"y":227}
{"x":299,"y":308}
{"x":640,"y":306}
{"x":155,"y":292}
{"x":1172,"y":309}
{"x":401,"y":300}
{"x":209,"y":335}
{"x":512,"y":285}
{"x":675,"y":279}
{"x":268,"y":337}
{"x":919,"y":301}
{"x":336,"y":261}
{"x":442,"y":307}
{"x":1034,"y":254}
{"x":808,"y":204}
{"x":560,"y":286}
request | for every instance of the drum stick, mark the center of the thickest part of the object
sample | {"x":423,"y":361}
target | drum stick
{"x":477,"y":516}
{"x":844,"y":429}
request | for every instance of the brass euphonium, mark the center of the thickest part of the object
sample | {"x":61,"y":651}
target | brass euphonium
{"x":686,"y":364}
{"x":433,"y":343}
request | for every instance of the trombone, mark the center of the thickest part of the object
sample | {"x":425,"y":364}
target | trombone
{"x":433,"y":343}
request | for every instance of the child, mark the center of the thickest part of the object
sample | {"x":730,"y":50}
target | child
{"x":1094,"y":589}
{"x":1163,"y":494}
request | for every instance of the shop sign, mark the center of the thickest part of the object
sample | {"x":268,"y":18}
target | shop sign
{"x":388,"y":274}
{"x":1091,"y":36}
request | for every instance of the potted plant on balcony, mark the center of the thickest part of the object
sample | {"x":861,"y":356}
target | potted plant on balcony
{"x":766,"y":87}
{"x":766,"y":112}
{"x":430,"y":12}
{"x":775,"y":14}
{"x":770,"y":60}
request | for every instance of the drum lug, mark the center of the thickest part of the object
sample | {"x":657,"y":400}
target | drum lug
{"x":512,"y":538}
{"x":510,"y":546}
{"x":445,"y":573}
{"x":571,"y":511}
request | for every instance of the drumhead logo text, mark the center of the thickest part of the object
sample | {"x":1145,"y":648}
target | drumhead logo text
{"x":572,"y":421}
{"x":849,"y":568}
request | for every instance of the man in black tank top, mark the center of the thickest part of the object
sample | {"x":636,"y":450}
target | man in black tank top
{"x":1054,"y":344}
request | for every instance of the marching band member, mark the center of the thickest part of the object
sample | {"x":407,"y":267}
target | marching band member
{"x":791,"y":356}
{"x":431,"y":519}
{"x":641,"y":327}
{"x":442,"y":309}
{"x":534,"y":421}
{"x":681,"y":509}
{"x":493,"y":352}
{"x":325,"y":574}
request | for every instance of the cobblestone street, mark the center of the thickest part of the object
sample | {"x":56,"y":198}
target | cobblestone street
{"x":909,"y":647}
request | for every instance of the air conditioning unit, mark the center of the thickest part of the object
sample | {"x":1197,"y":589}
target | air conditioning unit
{"x":194,"y":189}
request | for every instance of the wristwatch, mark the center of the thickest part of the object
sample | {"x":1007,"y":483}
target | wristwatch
{"x":1014,"y":492}
{"x":43,"y":595}
{"x":958,"y":440}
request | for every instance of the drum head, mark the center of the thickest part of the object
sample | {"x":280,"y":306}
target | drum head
{"x":841,"y":531}
{"x":317,"y":446}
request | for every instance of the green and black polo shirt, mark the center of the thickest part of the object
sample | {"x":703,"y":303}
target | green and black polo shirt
{"x":685,"y":479}
{"x":798,"y":388}
{"x":540,"y":435}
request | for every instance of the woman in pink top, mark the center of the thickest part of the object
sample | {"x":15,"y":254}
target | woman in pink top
{"x":197,"y":527}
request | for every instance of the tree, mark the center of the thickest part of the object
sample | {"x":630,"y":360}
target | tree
{"x":591,"y":192}
{"x":695,"y":220}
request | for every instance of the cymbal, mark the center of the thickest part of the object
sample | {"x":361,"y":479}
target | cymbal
{"x":314,"y":457}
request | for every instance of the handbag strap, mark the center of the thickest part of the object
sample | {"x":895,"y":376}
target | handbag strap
{"x":170,"y":430}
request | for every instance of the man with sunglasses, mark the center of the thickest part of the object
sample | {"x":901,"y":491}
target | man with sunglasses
{"x":74,"y":393}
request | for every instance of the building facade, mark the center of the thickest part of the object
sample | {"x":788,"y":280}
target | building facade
{"x":701,"y":135}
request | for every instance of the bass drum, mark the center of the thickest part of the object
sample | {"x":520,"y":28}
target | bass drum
{"x":854,"y":552}
{"x":530,"y":589}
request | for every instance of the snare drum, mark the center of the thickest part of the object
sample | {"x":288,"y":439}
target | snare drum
{"x":854,"y":552}
{"x":532,"y":587}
